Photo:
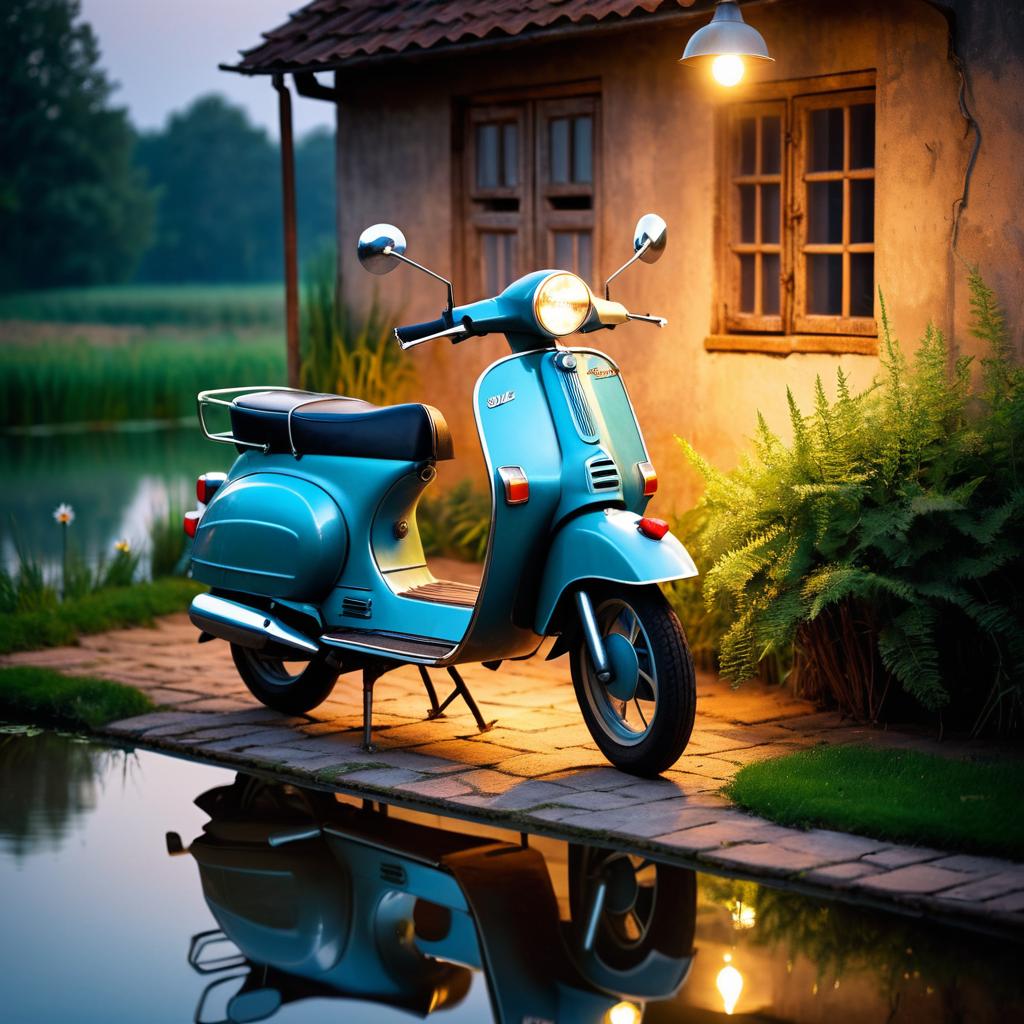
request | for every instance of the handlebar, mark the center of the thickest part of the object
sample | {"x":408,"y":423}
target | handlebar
{"x":415,"y":332}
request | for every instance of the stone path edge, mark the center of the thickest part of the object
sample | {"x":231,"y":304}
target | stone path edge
{"x":958,"y":913}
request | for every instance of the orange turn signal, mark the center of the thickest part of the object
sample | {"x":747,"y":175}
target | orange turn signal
{"x":192,"y":522}
{"x":648,"y":477}
{"x":517,"y":487}
{"x":653,"y":528}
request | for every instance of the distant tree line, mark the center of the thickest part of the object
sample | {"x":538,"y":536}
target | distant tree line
{"x":85,"y":199}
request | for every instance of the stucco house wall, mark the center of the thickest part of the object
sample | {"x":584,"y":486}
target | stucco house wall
{"x":396,"y":162}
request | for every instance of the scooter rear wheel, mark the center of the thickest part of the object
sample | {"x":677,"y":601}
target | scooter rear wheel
{"x":645,"y":732}
{"x":272,"y":683}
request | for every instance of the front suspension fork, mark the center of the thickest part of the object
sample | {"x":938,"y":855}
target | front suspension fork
{"x":592,"y":637}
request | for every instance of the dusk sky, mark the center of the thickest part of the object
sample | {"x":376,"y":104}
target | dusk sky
{"x":166,"y":54}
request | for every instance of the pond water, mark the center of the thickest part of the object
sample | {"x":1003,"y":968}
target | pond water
{"x":137,"y":887}
{"x":116,"y":481}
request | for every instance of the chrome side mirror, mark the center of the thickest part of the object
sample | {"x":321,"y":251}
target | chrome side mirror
{"x":650,"y":238}
{"x":649,"y":241}
{"x":379,"y":248}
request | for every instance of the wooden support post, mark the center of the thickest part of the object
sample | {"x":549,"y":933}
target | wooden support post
{"x":291,"y":265}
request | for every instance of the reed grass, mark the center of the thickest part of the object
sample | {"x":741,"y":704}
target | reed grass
{"x":222,"y":306}
{"x":347,"y":353}
{"x":155,"y":379}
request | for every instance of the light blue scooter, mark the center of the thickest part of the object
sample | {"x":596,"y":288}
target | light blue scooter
{"x":312,"y":552}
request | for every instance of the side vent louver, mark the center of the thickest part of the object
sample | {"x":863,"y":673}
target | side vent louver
{"x":392,"y":873}
{"x":603,"y":474}
{"x":356,"y":607}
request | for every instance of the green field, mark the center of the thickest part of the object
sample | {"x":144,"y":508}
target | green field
{"x":190,"y":306}
{"x":104,"y":355}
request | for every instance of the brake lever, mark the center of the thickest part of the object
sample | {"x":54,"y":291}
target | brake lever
{"x":659,"y":320}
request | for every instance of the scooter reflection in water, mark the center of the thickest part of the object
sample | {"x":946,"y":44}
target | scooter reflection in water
{"x":321,"y":898}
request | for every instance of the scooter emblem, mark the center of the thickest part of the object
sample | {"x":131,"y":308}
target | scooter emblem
{"x":495,"y":400}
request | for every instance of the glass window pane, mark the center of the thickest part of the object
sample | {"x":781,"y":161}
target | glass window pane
{"x":487,"y":156}
{"x":584,"y":255}
{"x":582,"y":149}
{"x":825,"y":140}
{"x":747,"y":283}
{"x":771,"y":286}
{"x":770,"y":214}
{"x":498,"y":251}
{"x":862,"y":211}
{"x":565,"y":258}
{"x":748,"y":201}
{"x":862,"y":135}
{"x":825,"y":284}
{"x":825,"y":211}
{"x":559,"y":157}
{"x":748,"y":145}
{"x":510,"y":154}
{"x":771,"y":145}
{"x":862,"y":284}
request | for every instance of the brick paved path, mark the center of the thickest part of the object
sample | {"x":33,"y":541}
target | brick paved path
{"x":538,"y":768}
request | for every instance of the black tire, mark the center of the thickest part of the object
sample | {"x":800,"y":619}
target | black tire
{"x":648,"y":907}
{"x":653,"y":741}
{"x":271,"y":683}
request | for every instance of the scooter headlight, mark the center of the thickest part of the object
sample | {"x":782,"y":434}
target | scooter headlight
{"x":562,"y":304}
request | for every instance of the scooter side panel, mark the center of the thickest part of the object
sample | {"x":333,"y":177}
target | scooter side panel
{"x":606,"y":545}
{"x":516,"y":429}
{"x":273,"y":535}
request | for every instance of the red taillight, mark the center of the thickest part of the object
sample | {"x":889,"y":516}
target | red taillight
{"x":648,"y":477}
{"x":192,"y":522}
{"x":517,"y":486}
{"x":207,"y":484}
{"x":653,"y":528}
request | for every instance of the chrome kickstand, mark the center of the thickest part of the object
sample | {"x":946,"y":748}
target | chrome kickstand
{"x":371,"y":673}
{"x":460,"y":690}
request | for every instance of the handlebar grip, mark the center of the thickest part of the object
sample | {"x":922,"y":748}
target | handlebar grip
{"x":413,"y":332}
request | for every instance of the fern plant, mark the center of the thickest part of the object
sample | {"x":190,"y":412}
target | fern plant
{"x":885,"y":541}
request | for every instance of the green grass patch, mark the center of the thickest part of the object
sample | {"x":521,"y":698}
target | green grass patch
{"x":158,"y":378}
{"x":79,"y":702}
{"x":903,"y":796}
{"x":224,"y":305}
{"x":114,"y":608}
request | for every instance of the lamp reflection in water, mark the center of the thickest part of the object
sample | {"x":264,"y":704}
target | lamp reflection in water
{"x":729,"y":984}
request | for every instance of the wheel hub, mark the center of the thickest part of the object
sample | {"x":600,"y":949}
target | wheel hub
{"x":625,"y":667}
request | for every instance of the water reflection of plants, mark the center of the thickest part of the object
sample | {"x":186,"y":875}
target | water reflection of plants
{"x":49,"y":781}
{"x":844,"y":940}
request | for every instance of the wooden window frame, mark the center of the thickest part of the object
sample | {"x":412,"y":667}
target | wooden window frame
{"x":535,"y":222}
{"x":794,"y":329}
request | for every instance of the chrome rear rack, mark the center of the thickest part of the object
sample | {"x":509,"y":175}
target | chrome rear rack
{"x":208,"y":398}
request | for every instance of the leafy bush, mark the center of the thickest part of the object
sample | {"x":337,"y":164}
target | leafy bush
{"x":345,"y":354}
{"x":886,"y":541}
{"x":457,"y":523}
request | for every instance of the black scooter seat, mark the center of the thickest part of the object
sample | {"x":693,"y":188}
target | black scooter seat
{"x":323,"y":424}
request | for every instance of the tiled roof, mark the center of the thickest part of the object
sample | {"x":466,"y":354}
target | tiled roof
{"x":327,"y":33}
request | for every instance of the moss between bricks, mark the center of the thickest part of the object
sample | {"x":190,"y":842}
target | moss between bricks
{"x":112,"y":608}
{"x":897,"y":795}
{"x":45,"y":697}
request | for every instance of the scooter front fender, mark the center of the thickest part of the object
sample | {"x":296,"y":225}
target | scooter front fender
{"x":606,"y":545}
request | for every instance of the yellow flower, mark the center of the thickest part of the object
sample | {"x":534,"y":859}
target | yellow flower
{"x":64,"y":514}
{"x":123,"y":546}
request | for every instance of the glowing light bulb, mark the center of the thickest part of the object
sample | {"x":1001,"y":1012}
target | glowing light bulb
{"x":727,"y":69}
{"x":624,"y":1013}
{"x":729,"y":984}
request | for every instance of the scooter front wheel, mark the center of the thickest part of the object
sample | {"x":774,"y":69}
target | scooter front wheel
{"x":273,"y":683}
{"x":643,"y":718}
